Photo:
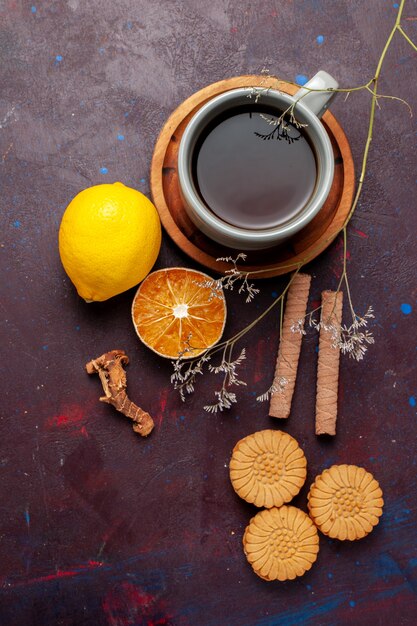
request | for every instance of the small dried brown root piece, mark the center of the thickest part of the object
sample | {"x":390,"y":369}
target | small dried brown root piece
{"x":109,"y":367}
{"x":328,"y":362}
{"x":290,"y":346}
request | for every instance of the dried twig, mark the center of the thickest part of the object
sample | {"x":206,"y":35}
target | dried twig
{"x":109,"y":367}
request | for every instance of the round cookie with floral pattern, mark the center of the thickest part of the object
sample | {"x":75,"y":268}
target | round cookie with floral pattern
{"x":345,"y":502}
{"x":281,"y":543}
{"x":267,"y":468}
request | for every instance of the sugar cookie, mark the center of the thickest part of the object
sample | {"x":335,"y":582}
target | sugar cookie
{"x":345,"y":502}
{"x":268,"y":468}
{"x":281,"y":543}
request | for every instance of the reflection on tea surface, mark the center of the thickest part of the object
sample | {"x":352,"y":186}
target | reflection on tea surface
{"x":251,"y":173}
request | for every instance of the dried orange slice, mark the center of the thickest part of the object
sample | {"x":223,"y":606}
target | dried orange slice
{"x":176,"y":314}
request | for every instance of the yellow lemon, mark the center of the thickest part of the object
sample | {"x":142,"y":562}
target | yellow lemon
{"x":109,"y":239}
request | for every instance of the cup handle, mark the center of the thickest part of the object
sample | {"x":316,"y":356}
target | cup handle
{"x":318,"y":101}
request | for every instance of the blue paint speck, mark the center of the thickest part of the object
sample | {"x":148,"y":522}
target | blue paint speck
{"x":120,"y":137}
{"x":129,"y":25}
{"x":143,"y":181}
{"x":182,"y":417}
{"x":27,"y":517}
{"x":319,"y":39}
{"x":101,"y":50}
{"x":352,"y":603}
{"x":308,"y":587}
{"x":44,"y":347}
{"x":77,"y":328}
{"x":104,"y":170}
{"x":127,"y":114}
{"x":406,"y":308}
{"x":329,"y":575}
{"x":17,"y":224}
{"x":395,"y":5}
{"x":274,"y":294}
{"x":33,"y":9}
{"x":301,"y":79}
{"x":412,"y":401}
{"x":58,"y":58}
{"x":317,"y":349}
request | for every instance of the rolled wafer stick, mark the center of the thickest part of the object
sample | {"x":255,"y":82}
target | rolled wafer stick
{"x":290,"y":346}
{"x":328,"y":362}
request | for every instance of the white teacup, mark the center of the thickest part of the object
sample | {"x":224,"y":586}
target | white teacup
{"x":309,"y":108}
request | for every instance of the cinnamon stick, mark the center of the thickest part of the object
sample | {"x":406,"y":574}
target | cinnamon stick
{"x":328,"y":363}
{"x":290,"y":346}
{"x":109,"y":367}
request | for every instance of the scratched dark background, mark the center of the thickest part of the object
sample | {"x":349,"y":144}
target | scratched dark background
{"x":97,"y":525}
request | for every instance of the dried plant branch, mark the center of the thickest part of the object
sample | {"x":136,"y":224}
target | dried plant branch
{"x":231,"y":277}
{"x":226,"y":398}
{"x":406,"y":37}
{"x":187,"y":371}
{"x":379,"y":96}
{"x":353,"y":339}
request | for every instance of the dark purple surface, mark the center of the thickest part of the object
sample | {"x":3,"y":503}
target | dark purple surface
{"x":97,"y":525}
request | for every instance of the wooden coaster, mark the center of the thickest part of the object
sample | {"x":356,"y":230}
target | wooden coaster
{"x":303,"y":247}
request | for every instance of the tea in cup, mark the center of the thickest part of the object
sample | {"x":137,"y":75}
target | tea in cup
{"x":249,"y":174}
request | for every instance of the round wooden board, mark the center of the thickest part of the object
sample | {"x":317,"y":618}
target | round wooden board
{"x":303,"y":247}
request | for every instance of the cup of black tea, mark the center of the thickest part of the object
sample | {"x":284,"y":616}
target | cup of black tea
{"x":253,"y":169}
